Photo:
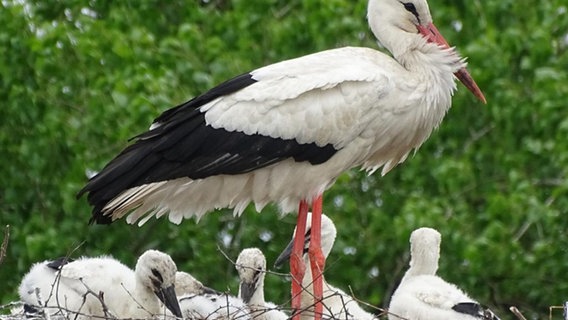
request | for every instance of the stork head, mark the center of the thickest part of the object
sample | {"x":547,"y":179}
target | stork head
{"x":186,"y":284}
{"x":156,"y":271}
{"x":251,"y":266}
{"x":425,"y":250}
{"x":403,"y":25}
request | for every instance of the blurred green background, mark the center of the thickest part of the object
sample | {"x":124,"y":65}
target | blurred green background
{"x":79,"y":78}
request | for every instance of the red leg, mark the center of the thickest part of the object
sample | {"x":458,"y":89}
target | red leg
{"x":317,"y":259}
{"x":297,"y":266}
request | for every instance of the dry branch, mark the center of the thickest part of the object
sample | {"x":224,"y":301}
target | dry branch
{"x":564,"y":308}
{"x":4,"y":246}
{"x":517,"y":313}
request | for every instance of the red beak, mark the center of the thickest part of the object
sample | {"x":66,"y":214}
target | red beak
{"x":431,"y":33}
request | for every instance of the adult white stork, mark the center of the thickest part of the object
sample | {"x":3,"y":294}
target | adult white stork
{"x":422,"y":295}
{"x":283,"y":133}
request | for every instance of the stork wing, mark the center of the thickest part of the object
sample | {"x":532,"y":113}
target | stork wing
{"x":305,"y":109}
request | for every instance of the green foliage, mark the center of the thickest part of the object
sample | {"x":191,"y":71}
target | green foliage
{"x":79,"y":78}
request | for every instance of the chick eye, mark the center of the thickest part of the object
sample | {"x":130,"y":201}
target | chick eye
{"x":157,"y":274}
{"x":409,"y":6}
{"x":256,"y":276}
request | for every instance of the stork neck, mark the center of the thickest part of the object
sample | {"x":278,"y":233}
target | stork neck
{"x":423,"y":263}
{"x":419,"y":270}
{"x":431,"y":66}
{"x":429,"y":58}
{"x":258,"y":296}
{"x":308,"y":280}
{"x":144,"y":296}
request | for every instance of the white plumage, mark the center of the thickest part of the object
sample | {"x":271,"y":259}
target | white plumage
{"x":200,"y":302}
{"x":336,"y":303}
{"x":422,"y":295}
{"x":251,"y":266}
{"x":85,"y":285}
{"x":213,"y":307}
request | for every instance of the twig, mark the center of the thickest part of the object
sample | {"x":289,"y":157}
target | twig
{"x":381,"y":310}
{"x":40,"y":303}
{"x":63,"y":307}
{"x":11,"y":305}
{"x":517,"y":313}
{"x":101,"y":297}
{"x":475,"y":136}
{"x":556,"y":307}
{"x":134,"y":299}
{"x":234,"y":263}
{"x":57,"y":281}
{"x":225,"y":255}
{"x":4,"y":246}
{"x":76,"y":248}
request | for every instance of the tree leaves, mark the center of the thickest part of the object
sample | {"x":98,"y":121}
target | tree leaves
{"x":80,"y":78}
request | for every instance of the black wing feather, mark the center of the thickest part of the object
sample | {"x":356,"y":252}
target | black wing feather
{"x":233,"y":85}
{"x":182,"y":145}
{"x":31,"y":311}
{"x":59,"y":262}
{"x":476,"y":310}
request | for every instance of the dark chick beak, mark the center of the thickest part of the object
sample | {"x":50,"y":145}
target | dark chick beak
{"x":287,"y":252}
{"x":431,"y":33}
{"x":247,"y":290}
{"x":169,"y":299}
{"x":284,"y":255}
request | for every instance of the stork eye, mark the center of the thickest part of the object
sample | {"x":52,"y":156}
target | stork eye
{"x":157,"y":274}
{"x":409,"y":6}
{"x":256,"y":276}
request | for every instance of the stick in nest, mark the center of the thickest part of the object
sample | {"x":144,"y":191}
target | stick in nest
{"x":4,"y":246}
{"x":517,"y":313}
{"x":564,"y":308}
